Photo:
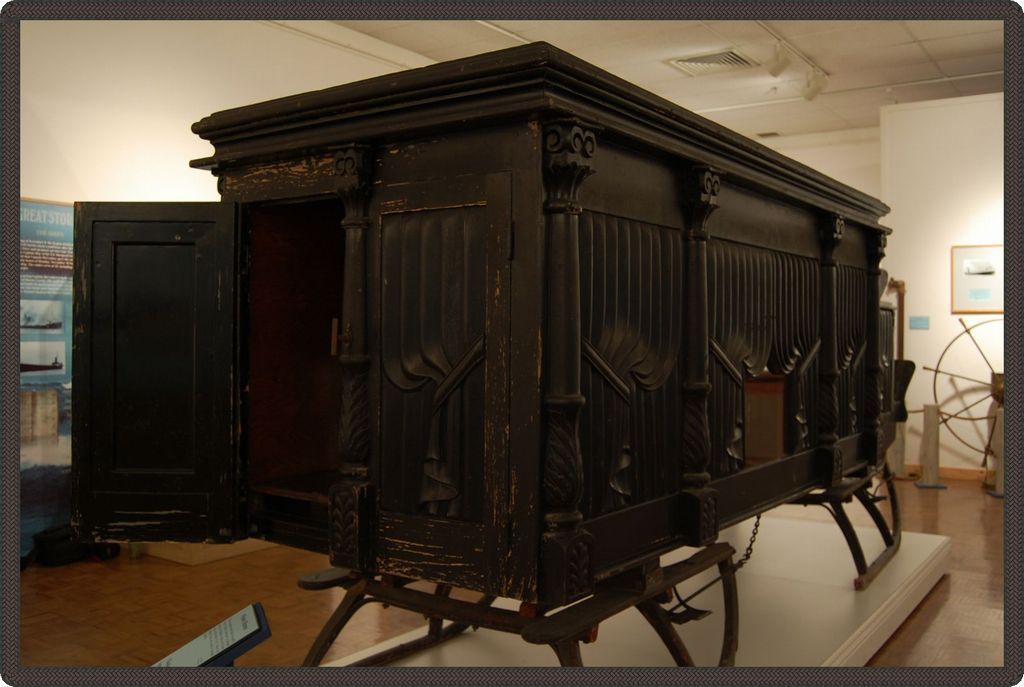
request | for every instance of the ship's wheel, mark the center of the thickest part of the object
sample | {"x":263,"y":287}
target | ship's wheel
{"x":967,"y":402}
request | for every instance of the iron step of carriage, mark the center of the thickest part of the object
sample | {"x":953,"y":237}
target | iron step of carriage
{"x":688,"y":614}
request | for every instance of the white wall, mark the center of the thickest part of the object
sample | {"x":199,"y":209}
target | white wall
{"x":851,"y":156}
{"x":942,"y":174}
{"x":107,"y":106}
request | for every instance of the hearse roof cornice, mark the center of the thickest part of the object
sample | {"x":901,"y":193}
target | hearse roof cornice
{"x":527,"y":80}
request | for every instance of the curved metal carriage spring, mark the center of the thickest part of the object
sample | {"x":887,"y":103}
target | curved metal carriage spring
{"x":832,"y":499}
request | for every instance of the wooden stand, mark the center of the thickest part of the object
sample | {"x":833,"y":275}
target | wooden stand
{"x":929,"y":453}
{"x":562,"y":630}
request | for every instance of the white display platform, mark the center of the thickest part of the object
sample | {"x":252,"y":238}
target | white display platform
{"x":797,"y":605}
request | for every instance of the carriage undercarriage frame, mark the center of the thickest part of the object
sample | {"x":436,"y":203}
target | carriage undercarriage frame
{"x":646,"y":588}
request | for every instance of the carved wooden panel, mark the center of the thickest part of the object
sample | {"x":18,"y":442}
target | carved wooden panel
{"x":763,"y":310}
{"x":851,"y":325}
{"x":887,"y":329}
{"x":796,"y":344}
{"x":805,"y":416}
{"x":631,"y":298}
{"x":434,"y":267}
{"x":725,"y":414}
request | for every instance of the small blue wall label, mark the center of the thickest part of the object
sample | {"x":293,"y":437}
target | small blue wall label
{"x":919,"y":322}
{"x":980,"y":294}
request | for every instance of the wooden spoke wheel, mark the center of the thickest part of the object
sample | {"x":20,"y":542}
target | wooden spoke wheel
{"x":965,"y":399}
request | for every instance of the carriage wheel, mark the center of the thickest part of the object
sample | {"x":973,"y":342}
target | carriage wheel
{"x":961,"y":395}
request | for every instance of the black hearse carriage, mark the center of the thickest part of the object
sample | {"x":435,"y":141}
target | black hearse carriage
{"x":490,"y":324}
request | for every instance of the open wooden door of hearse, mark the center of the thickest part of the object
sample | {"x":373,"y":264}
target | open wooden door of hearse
{"x":155,"y":427}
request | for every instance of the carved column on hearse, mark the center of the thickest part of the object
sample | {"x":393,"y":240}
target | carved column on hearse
{"x":873,"y":381}
{"x":350,"y":500}
{"x":565,"y":546}
{"x":700,"y":199}
{"x":831,"y":233}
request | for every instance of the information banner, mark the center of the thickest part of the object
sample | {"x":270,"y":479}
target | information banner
{"x":47,"y":237}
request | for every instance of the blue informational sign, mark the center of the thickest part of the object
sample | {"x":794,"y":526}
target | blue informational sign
{"x":919,"y":322}
{"x":979,"y":294}
{"x":47,"y":238}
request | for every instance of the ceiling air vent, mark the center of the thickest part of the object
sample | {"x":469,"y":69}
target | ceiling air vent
{"x":713,"y":63}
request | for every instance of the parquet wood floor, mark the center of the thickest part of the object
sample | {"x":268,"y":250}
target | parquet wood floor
{"x":128,"y":612}
{"x":960,"y":622}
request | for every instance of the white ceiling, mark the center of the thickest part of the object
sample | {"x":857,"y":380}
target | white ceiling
{"x":869,"y":63}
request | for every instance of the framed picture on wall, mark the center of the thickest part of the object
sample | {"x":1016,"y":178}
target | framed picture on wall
{"x":977,"y":279}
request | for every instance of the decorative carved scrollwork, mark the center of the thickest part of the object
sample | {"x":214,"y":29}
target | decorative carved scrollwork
{"x":631,"y":305}
{"x":877,"y":248}
{"x":800,"y":410}
{"x":355,"y":413}
{"x":563,"y":466}
{"x":708,"y":527}
{"x":567,"y":573}
{"x":578,"y":574}
{"x":343,"y":531}
{"x":432,"y":357}
{"x":696,"y":434}
{"x":852,"y":313}
{"x":764,"y":314}
{"x":568,"y":137}
{"x":725,"y":412}
{"x":439,"y":487}
{"x":828,"y":408}
{"x":620,"y":481}
{"x":352,"y":169}
{"x":700,"y":196}
{"x":831,"y":235}
{"x":439,"y":492}
{"x":887,"y":327}
{"x":350,"y":535}
{"x":852,"y":306}
{"x":568,"y":145}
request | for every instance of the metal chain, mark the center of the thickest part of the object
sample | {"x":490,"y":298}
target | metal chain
{"x":736,"y":566}
{"x":750,"y":545}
